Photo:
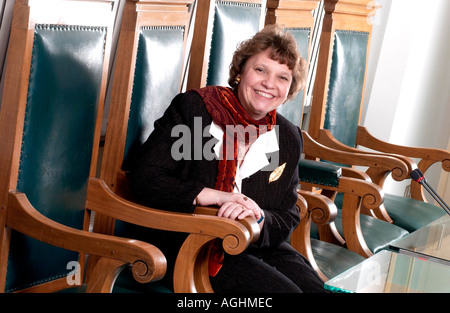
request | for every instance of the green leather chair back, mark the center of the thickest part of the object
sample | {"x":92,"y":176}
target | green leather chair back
{"x":58,"y":134}
{"x":346,"y":85}
{"x":157,"y":77}
{"x":234,"y":22}
{"x":293,"y":109}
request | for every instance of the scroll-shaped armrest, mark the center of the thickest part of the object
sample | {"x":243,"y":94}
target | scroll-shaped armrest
{"x":203,"y":228}
{"x":249,"y":222}
{"x":378,"y":174}
{"x":427,"y":156}
{"x":148,"y":262}
{"x":384,"y":164}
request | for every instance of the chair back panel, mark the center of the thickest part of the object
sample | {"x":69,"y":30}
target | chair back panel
{"x":348,"y":66}
{"x":233,"y":22}
{"x":293,"y":109}
{"x":157,"y":78}
{"x":60,"y":116}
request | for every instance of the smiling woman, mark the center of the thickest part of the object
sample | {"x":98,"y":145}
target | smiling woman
{"x":237,"y":176}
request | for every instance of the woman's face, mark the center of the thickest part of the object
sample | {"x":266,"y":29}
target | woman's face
{"x":264,"y":84}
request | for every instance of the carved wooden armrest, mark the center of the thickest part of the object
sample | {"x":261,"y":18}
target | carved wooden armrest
{"x":189,"y":274}
{"x":383,"y":164}
{"x":356,"y":192}
{"x":318,"y":209}
{"x":249,"y":222}
{"x":148,"y":262}
{"x":427,"y":156}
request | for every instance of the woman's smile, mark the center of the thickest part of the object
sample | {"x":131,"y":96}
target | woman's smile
{"x":264,"y":85}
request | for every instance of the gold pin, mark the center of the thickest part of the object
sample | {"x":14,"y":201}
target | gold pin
{"x":276,"y":173}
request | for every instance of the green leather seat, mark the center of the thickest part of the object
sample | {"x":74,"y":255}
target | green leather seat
{"x":378,"y":234}
{"x":58,"y":134}
{"x":332,"y":259}
{"x":411,"y":214}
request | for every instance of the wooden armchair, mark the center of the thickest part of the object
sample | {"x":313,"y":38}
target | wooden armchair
{"x":351,"y":225}
{"x":50,"y":124}
{"x":145,"y":82}
{"x":337,"y":100}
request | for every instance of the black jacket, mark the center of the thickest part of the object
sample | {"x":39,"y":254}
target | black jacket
{"x":161,"y":182}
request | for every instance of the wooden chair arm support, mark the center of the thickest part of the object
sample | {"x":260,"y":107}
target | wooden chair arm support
{"x":356,"y":192}
{"x":355,"y":173}
{"x":236,"y":237}
{"x":364,"y":138}
{"x":398,"y":168}
{"x":249,"y":222}
{"x":321,"y":209}
{"x":327,"y":139}
{"x":371,"y":194}
{"x":148,"y":262}
{"x":427,"y":156}
{"x":313,"y":208}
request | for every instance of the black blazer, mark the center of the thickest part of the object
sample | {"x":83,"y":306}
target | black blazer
{"x":160,"y":181}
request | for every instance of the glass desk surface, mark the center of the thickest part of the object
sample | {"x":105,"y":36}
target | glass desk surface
{"x":431,"y":242}
{"x":391,"y":272}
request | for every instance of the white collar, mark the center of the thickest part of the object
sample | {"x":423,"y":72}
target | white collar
{"x":255,"y":159}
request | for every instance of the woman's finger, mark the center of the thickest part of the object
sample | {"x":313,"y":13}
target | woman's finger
{"x":248,"y":203}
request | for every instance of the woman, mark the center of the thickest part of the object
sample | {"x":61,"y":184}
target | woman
{"x":247,"y":141}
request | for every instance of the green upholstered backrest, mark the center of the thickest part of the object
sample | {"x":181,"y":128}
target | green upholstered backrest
{"x":292,"y":109}
{"x":157,"y":79}
{"x":234,"y":22}
{"x":348,"y":66}
{"x":63,"y":95}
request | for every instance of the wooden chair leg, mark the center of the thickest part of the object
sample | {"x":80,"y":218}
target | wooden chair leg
{"x":191,"y":275}
{"x":104,"y":275}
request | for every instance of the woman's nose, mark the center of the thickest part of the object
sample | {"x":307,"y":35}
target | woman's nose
{"x":269,"y":81}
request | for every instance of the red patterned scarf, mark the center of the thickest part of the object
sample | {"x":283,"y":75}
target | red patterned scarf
{"x":225,"y":110}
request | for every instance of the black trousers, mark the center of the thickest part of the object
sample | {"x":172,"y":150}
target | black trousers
{"x":268,"y":270}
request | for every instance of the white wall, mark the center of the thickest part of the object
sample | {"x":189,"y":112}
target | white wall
{"x":407,"y":100}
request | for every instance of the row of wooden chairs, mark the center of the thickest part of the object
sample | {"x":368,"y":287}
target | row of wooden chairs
{"x":50,"y":128}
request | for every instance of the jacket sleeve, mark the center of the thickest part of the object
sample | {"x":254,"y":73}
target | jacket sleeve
{"x":156,"y":176}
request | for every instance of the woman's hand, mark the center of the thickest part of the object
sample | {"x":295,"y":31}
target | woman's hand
{"x":232,"y":205}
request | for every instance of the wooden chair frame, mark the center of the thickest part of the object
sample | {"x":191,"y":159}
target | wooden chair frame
{"x":108,"y":196}
{"x":16,"y":211}
{"x":353,"y":15}
{"x":360,"y":196}
{"x":319,"y":210}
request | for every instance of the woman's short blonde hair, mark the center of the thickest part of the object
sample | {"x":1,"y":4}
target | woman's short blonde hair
{"x":283,"y":48}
